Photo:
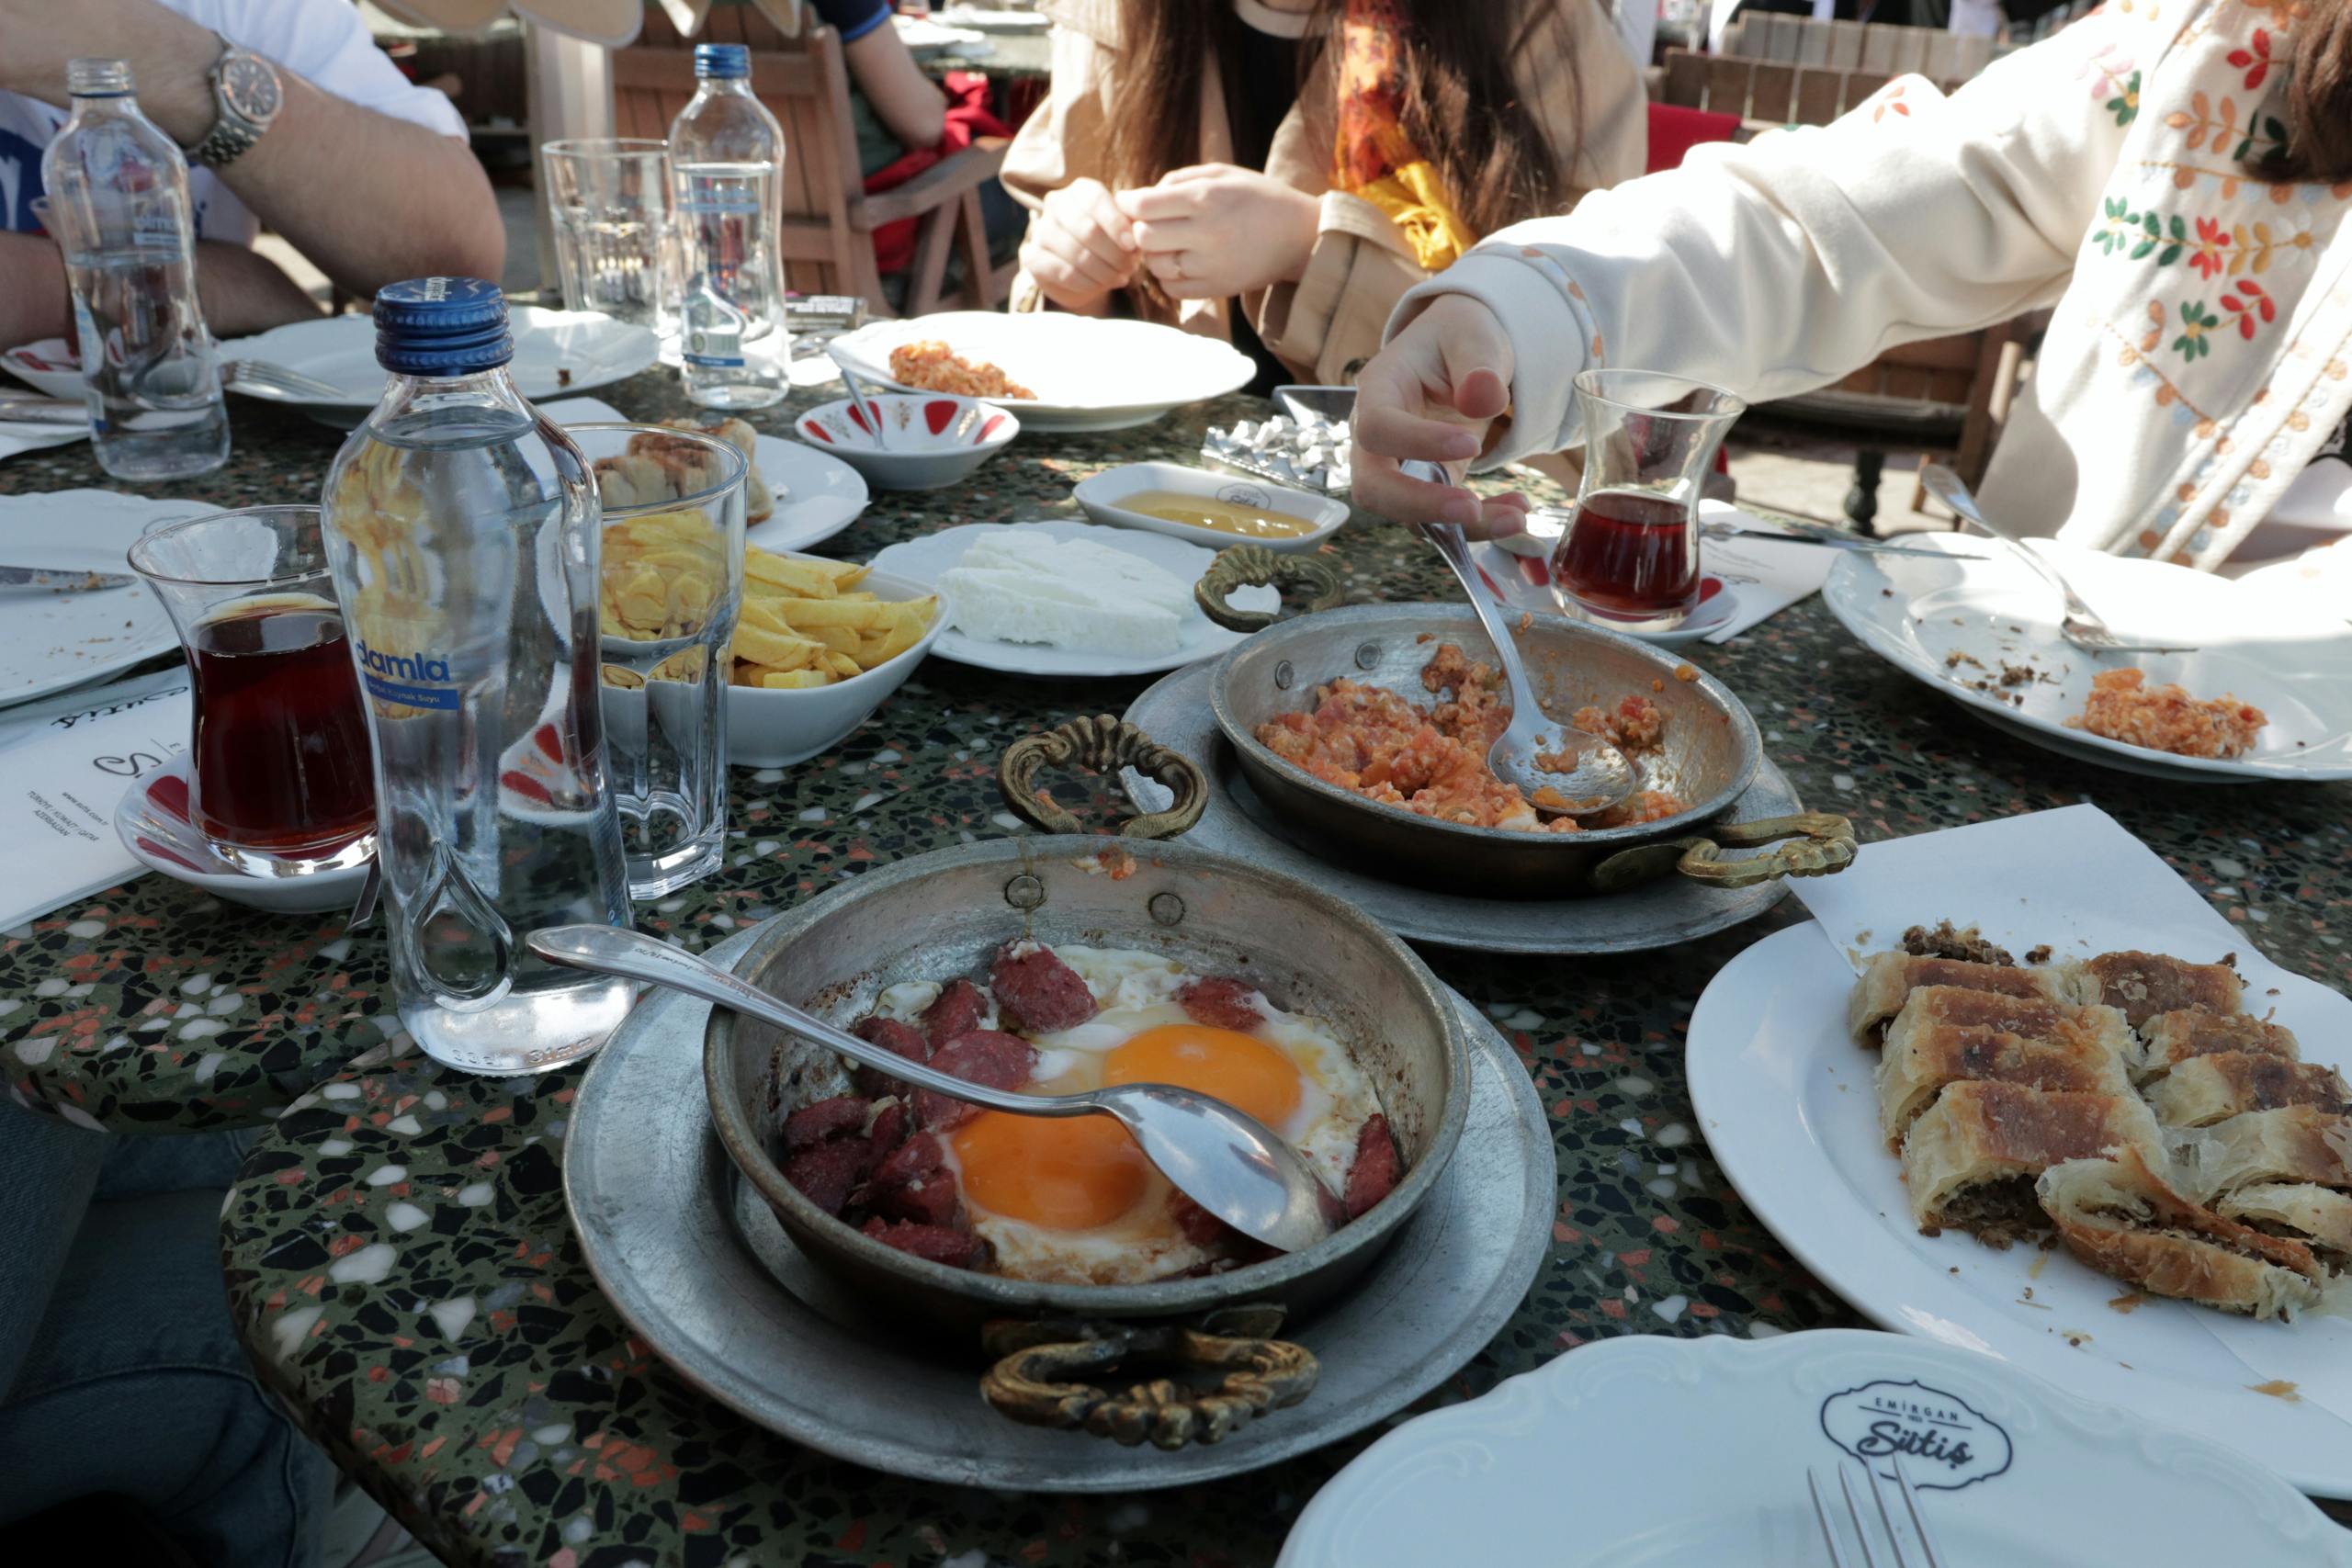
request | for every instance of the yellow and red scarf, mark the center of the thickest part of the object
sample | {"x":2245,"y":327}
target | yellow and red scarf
{"x":1374,"y":158}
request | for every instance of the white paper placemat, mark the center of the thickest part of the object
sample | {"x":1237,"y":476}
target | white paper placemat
{"x":63,"y":775}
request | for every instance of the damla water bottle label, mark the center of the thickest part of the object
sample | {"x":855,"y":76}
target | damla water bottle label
{"x":412,"y":679}
{"x":716,"y":361}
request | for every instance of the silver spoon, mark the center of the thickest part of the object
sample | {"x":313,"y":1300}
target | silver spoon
{"x":2081,"y":625}
{"x":1226,"y":1162}
{"x":858,"y":394}
{"x":1546,"y":759}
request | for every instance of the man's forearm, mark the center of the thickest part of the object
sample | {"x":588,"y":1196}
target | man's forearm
{"x":242,"y":292}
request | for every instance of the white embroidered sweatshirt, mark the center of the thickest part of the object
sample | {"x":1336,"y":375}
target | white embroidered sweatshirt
{"x":2202,"y":319}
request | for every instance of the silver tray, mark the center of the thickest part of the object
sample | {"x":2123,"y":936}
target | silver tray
{"x":1175,"y":712}
{"x":705,"y":1275}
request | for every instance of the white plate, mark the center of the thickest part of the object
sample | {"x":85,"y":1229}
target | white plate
{"x":52,"y":642}
{"x":594,"y":350}
{"x":52,"y":364}
{"x":152,"y":822}
{"x":1101,"y":497}
{"x":1786,"y":1103}
{"x":1646,"y":1451}
{"x":818,"y":495}
{"x":1523,"y":583}
{"x":2285,"y":655}
{"x":927,"y":559}
{"x":1088,"y":374}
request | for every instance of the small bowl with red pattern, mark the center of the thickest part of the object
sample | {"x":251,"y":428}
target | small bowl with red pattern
{"x":928,"y":440}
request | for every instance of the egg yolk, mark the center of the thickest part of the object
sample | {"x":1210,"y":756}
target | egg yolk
{"x":1069,"y":1174}
{"x":1239,"y":1070}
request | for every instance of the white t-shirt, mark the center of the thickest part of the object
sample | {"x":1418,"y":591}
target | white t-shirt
{"x":322,"y":42}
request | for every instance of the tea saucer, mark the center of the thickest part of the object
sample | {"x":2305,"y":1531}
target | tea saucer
{"x":1524,"y":582}
{"x":152,"y":822}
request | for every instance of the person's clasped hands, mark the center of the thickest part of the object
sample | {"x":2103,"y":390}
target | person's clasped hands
{"x":1210,"y":232}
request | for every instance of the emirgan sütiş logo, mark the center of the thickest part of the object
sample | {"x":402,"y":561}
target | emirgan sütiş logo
{"x":410,"y":680}
{"x":1943,"y":1441}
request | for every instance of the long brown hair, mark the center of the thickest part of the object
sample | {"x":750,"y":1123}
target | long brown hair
{"x":2319,"y":100}
{"x":1463,"y":110}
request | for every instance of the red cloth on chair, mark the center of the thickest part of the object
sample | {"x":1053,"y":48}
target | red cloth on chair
{"x":1675,"y":131}
{"x":968,"y":118}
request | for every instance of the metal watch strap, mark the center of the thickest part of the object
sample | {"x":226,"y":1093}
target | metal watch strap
{"x":232,"y":133}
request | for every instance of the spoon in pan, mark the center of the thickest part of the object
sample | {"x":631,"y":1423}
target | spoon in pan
{"x":1226,"y":1162}
{"x":1562,"y":771}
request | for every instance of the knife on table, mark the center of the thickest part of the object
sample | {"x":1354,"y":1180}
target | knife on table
{"x":43,"y":410}
{"x":59,"y":579}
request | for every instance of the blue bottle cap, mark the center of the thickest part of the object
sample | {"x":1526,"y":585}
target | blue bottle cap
{"x":722,"y":61}
{"x":442,"y":326}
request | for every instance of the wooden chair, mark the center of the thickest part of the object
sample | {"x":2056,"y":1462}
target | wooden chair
{"x":826,"y":232}
{"x":1947,"y":392}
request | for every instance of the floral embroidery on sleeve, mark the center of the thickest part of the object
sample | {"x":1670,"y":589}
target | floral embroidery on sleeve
{"x":2254,"y":59}
{"x":2125,"y":104}
{"x":2195,"y":319}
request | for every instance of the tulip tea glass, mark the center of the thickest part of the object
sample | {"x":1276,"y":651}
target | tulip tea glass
{"x":281,"y":781}
{"x":672,"y":584}
{"x":1629,"y":556}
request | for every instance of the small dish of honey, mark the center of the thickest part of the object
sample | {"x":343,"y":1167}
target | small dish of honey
{"x":1215,"y":510}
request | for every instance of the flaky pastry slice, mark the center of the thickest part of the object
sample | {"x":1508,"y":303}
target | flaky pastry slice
{"x":2121,"y":1218}
{"x":1889,"y":978}
{"x":2207,"y":1089}
{"x":2078,"y":1050}
{"x":2146,"y":983}
{"x":1970,"y":1159}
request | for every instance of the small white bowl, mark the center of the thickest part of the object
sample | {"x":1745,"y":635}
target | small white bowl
{"x":53,"y":365}
{"x":772,"y":729}
{"x":936,"y":440}
{"x":152,"y":822}
{"x":1101,"y":496}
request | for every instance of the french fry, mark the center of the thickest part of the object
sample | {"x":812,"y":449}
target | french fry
{"x":784,"y":680}
{"x":805,"y":622}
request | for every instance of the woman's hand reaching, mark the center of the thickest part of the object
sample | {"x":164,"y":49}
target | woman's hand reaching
{"x":1431,"y":395}
{"x":1213,"y":231}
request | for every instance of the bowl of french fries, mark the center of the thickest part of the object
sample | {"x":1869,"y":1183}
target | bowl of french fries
{"x":819,"y":645}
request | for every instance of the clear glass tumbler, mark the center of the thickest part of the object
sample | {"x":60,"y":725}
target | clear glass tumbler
{"x":672,"y":584}
{"x":1629,"y":556}
{"x":280,"y":778}
{"x":615,"y":238}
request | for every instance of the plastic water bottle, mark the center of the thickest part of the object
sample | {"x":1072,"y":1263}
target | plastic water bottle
{"x":727,"y":172}
{"x":463,"y":531}
{"x":118,"y":208}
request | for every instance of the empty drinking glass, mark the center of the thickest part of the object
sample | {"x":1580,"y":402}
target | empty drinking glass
{"x":280,"y":778}
{"x":673,"y":583}
{"x":1630,"y":555}
{"x":608,"y":200}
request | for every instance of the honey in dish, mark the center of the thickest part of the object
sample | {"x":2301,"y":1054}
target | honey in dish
{"x":1240,"y":509}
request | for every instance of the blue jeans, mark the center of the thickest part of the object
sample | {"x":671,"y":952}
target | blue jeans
{"x":119,"y":1370}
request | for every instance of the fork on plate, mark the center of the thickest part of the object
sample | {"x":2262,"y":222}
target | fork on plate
{"x":278,"y":377}
{"x":1859,"y":1524}
{"x":2082,"y":624}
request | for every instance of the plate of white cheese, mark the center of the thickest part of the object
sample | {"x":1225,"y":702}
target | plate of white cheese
{"x":1064,"y":598}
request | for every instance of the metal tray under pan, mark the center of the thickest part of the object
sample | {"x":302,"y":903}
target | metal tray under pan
{"x":1710,"y":756}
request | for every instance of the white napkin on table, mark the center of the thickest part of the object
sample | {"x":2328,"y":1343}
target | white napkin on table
{"x":61,"y":778}
{"x":21,"y":435}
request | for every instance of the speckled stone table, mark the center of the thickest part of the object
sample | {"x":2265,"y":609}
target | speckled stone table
{"x":399,"y":1251}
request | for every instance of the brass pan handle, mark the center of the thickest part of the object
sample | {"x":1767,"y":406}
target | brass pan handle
{"x":1824,"y":844}
{"x":1038,"y":1379}
{"x":1248,"y":566}
{"x":1102,"y":744}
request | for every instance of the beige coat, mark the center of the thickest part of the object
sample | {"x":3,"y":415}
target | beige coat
{"x":1328,"y":321}
{"x":2201,"y":348}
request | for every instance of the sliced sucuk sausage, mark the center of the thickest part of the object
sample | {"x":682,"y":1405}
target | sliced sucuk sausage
{"x":1374,"y":1175}
{"x":940,"y":1244}
{"x":899,"y":1039}
{"x":823,"y":1119}
{"x":958,"y":1010}
{"x":1041,"y":992}
{"x":910,"y":1161}
{"x":889,"y":1130}
{"x":826,"y":1172}
{"x":929,"y":1200}
{"x":1219,"y":1003}
{"x":983,"y":1056}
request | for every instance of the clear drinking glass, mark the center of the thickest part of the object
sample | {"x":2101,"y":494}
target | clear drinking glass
{"x":672,"y":583}
{"x":1630,"y":555}
{"x":280,"y":781}
{"x":615,"y":240}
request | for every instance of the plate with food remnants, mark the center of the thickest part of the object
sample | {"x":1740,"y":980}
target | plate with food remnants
{"x":2019,"y":1088}
{"x":797,"y":496}
{"x":2258,"y":683}
{"x":1061,"y":598}
{"x":1058,"y":372}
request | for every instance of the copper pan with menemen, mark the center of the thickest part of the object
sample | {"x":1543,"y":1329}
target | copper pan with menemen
{"x":1363,"y":728}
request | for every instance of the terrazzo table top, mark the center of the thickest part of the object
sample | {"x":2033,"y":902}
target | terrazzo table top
{"x":398,"y":1250}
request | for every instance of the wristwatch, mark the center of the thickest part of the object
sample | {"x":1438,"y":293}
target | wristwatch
{"x":248,"y":95}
